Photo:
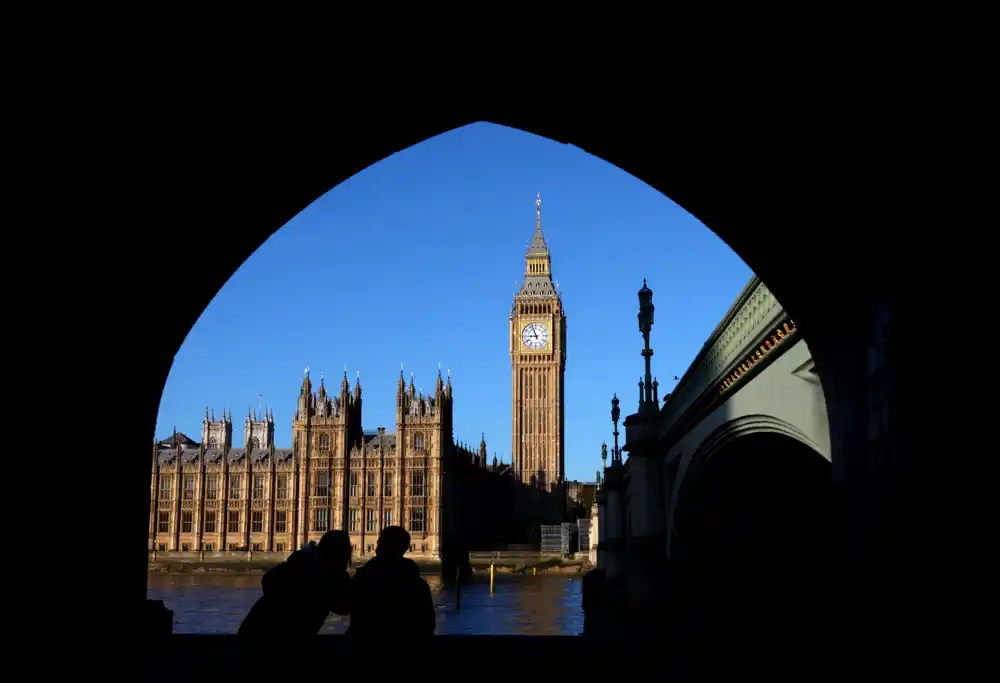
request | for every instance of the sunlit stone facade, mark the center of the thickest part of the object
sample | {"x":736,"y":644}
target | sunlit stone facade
{"x":210,"y":496}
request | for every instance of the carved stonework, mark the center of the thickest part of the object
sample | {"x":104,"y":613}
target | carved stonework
{"x":778,"y":336}
{"x":757,"y":309}
{"x":744,"y":323}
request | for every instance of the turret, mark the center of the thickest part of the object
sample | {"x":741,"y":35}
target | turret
{"x":258,"y":429}
{"x":305,"y":395}
{"x":216,"y":433}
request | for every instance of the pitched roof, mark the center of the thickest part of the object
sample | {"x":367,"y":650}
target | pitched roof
{"x":179,"y":438}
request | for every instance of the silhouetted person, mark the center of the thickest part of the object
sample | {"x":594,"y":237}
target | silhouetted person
{"x":594,"y":594}
{"x":388,"y":595}
{"x":301,"y":592}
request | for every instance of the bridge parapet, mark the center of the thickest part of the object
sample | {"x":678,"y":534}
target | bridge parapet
{"x":753,"y":314}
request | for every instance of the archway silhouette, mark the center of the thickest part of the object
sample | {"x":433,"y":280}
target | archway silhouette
{"x":752,"y":550}
{"x":797,"y":188}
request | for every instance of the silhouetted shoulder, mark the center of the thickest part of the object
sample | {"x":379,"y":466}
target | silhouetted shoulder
{"x":410,"y":567}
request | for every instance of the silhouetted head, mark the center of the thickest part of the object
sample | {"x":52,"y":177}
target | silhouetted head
{"x":394,"y":541}
{"x":335,"y":548}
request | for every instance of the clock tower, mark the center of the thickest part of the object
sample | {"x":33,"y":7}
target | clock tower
{"x":538,"y":362}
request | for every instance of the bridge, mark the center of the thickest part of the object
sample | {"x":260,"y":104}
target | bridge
{"x":738,"y":453}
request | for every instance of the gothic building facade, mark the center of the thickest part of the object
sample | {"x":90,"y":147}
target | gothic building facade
{"x":211,"y":496}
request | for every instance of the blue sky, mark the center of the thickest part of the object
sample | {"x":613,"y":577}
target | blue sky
{"x":415,"y":259}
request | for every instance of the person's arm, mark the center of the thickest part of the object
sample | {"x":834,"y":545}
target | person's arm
{"x":427,"y":608}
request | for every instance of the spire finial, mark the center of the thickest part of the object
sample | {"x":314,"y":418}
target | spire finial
{"x":306,"y":371}
{"x":538,"y":207}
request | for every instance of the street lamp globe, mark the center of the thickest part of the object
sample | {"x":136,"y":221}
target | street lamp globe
{"x":646,"y":308}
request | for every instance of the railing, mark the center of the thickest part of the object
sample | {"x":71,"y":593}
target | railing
{"x":511,"y":555}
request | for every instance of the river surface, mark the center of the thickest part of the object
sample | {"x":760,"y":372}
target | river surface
{"x":520,"y":605}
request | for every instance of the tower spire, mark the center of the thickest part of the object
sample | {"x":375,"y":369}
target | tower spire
{"x":537,"y":244}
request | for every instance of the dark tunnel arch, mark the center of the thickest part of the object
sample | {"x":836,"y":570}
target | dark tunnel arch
{"x":753,"y":548}
{"x":209,"y":161}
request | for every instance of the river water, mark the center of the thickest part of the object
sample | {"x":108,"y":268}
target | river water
{"x":520,"y":605}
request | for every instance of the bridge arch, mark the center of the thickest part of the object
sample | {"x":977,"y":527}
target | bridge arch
{"x":753,"y":424}
{"x":751,"y":541}
{"x":720,"y":441}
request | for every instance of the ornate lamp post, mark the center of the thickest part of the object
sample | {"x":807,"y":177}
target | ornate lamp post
{"x":616,"y":452}
{"x":647,"y":390}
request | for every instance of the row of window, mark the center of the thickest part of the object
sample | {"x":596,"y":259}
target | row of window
{"x":278,"y":547}
{"x":210,"y":522}
{"x":536,"y":309}
{"x":212,"y":486}
{"x":320,"y":521}
{"x":418,"y":521}
{"x":418,"y":485}
{"x":210,"y":547}
{"x":321,"y":485}
{"x":324,"y":441}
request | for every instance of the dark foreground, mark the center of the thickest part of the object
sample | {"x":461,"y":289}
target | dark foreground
{"x":193,"y":657}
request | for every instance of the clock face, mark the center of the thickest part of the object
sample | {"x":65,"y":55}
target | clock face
{"x":535,"y":335}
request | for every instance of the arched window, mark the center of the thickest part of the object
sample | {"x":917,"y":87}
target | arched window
{"x":255,"y":443}
{"x":324,"y":442}
{"x":212,"y":442}
{"x":418,"y":441}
